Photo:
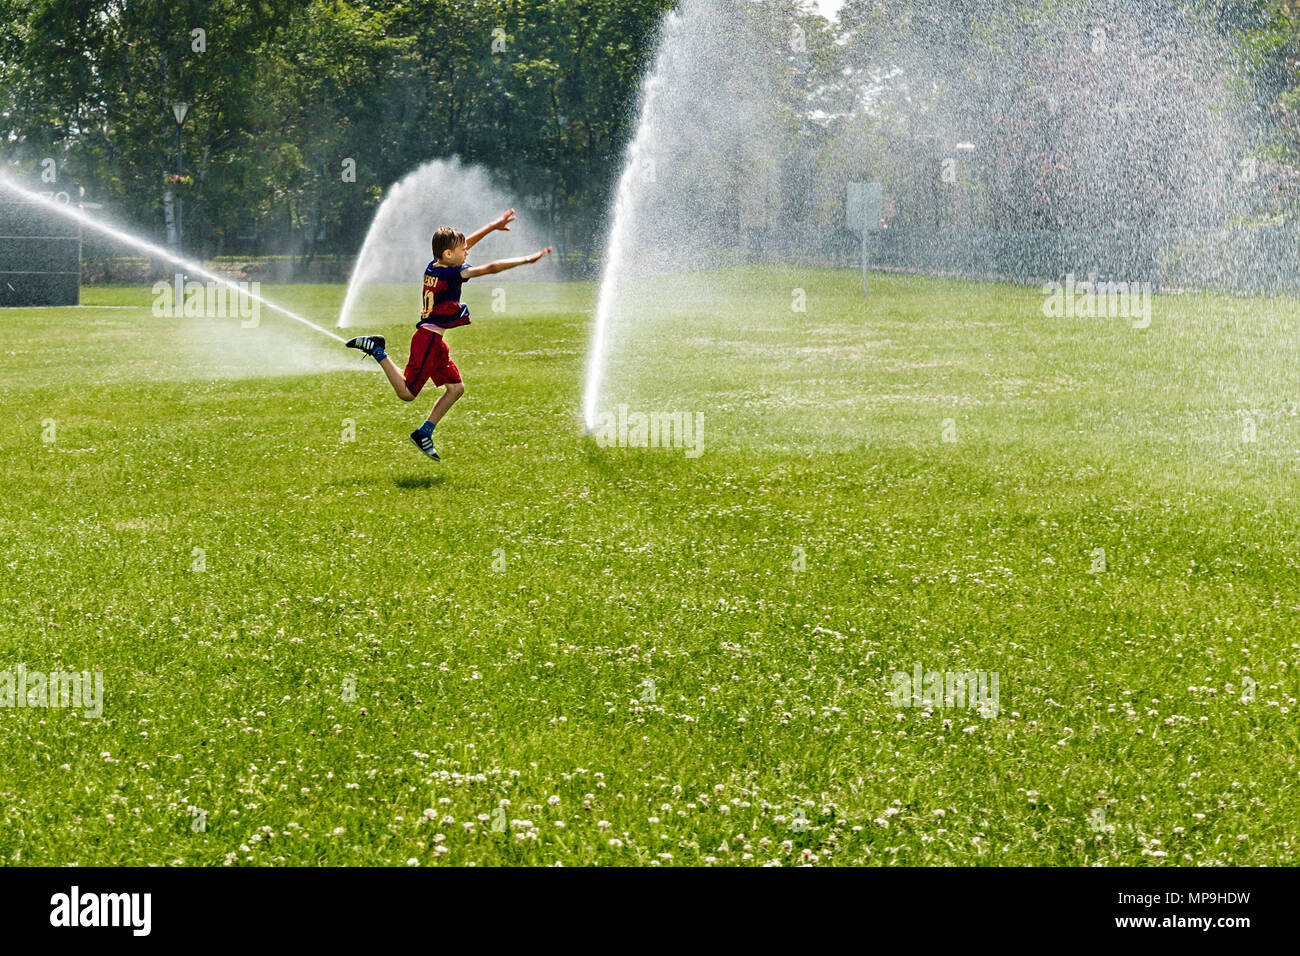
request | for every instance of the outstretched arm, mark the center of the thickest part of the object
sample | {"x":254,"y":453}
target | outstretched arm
{"x":501,"y":224}
{"x":492,"y":268}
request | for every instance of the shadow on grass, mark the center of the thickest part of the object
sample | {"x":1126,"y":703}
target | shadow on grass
{"x":422,"y":482}
{"x":612,"y":462}
{"x":651,"y":465}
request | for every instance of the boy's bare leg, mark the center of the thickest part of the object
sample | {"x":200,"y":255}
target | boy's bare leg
{"x":423,"y":436}
{"x":448,"y":399}
{"x":373,"y":345}
{"x":396,"y":379}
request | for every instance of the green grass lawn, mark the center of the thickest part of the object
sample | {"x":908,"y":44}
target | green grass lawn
{"x":319,"y":648}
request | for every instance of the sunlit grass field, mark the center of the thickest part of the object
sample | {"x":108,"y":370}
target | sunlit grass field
{"x":319,"y":648}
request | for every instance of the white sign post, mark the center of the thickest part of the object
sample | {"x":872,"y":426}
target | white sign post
{"x":865,"y":212}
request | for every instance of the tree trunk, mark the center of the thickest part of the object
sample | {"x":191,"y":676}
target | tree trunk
{"x":169,"y":216}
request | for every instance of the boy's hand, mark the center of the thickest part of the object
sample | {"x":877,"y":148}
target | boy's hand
{"x":501,"y":224}
{"x":538,"y":256}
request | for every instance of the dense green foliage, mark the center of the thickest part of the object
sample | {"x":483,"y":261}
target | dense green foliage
{"x":288,"y":95}
{"x":286,"y":91}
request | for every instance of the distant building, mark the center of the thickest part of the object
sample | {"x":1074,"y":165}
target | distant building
{"x":40,"y":252}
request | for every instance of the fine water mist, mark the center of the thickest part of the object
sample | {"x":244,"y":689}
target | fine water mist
{"x":158,"y":252}
{"x":440,"y":193}
{"x":1022,"y":145}
{"x":703,"y":139}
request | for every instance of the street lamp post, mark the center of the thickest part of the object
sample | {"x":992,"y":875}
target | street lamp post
{"x":179,"y":110}
{"x":934,"y":143}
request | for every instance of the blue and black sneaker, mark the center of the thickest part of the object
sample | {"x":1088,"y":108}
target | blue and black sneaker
{"x":424,"y":442}
{"x":372,"y":345}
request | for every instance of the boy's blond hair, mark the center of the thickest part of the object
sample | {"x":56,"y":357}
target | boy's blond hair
{"x":446,"y":238}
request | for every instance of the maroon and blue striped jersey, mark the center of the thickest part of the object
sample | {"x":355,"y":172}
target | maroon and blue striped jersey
{"x":442,"y":297}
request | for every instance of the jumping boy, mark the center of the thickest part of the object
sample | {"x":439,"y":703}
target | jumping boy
{"x":430,"y":359}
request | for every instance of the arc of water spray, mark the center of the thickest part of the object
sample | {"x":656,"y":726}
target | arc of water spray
{"x":639,"y":151}
{"x":597,"y":357}
{"x":605,"y":303}
{"x":158,"y":252}
{"x":625,"y":196}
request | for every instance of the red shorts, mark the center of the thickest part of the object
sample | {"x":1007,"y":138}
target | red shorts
{"x":430,"y":361}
